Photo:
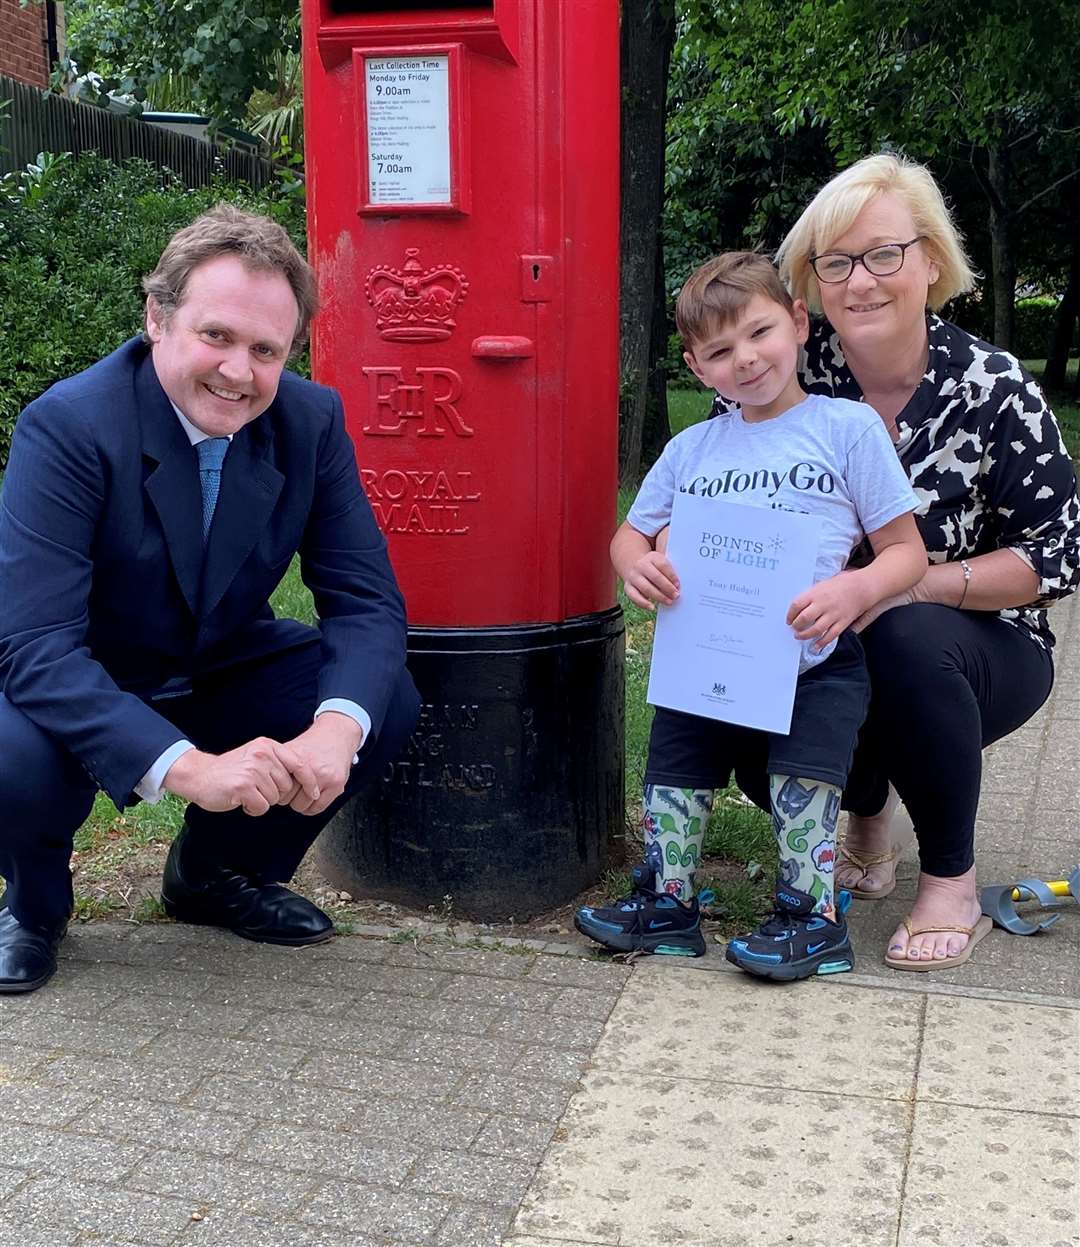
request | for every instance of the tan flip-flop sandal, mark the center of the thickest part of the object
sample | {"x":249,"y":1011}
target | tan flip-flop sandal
{"x":975,"y":934}
{"x":863,"y":862}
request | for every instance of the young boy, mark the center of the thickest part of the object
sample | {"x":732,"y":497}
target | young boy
{"x":822,"y":456}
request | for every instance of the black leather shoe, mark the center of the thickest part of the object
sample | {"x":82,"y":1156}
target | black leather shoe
{"x":215,"y":896}
{"x":27,"y":958}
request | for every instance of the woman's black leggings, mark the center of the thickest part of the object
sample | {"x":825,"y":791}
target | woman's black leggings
{"x":944,"y":684}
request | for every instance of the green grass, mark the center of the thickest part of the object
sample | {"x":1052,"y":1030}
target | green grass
{"x":687,"y":407}
{"x":292,"y":598}
{"x":89,"y":908}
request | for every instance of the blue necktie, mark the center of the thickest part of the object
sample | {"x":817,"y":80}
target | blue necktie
{"x":211,"y":454}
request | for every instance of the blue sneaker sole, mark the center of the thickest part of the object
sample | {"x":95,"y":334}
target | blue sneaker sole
{"x":838,"y":960}
{"x":673,"y":944}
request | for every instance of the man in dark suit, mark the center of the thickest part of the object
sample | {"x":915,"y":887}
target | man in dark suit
{"x":151,"y":505}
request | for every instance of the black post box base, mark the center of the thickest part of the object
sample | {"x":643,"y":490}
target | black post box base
{"x":513,"y":783}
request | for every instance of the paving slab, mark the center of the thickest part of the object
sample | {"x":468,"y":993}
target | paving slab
{"x":100,"y":1209}
{"x":37,"y":1150}
{"x":863,"y":1110}
{"x":984,"y":1178}
{"x":471,"y":1226}
{"x":516,"y":1240}
{"x":993,"y":1054}
{"x":336,"y":1153}
{"x":401,"y":1216}
{"x":22,"y":1233}
{"x":750,"y":1165}
{"x":236,"y":1229}
{"x":732,"y":1028}
{"x":257,"y":1188}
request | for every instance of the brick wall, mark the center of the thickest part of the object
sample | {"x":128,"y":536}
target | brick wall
{"x":23,"y":49}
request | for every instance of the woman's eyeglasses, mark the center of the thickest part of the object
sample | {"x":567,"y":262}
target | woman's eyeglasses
{"x":881,"y":261}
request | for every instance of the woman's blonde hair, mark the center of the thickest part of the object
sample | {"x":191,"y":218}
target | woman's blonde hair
{"x":833,"y":210}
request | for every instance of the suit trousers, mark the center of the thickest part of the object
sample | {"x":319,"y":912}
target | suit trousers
{"x":45,"y":795}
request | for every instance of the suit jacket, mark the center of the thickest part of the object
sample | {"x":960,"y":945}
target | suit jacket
{"x":106,"y":593}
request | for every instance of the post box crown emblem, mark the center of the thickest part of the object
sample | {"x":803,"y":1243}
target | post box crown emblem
{"x":414,"y":304}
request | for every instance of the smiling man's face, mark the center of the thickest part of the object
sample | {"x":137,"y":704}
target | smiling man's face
{"x":219,"y":357}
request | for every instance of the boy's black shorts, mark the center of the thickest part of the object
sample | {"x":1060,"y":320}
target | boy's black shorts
{"x":831,"y":700}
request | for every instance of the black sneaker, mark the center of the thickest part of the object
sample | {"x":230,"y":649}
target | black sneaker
{"x":647,"y":921}
{"x":795,"y":942}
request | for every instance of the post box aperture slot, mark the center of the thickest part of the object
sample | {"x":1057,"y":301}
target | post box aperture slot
{"x":384,"y":8}
{"x":409,"y":104}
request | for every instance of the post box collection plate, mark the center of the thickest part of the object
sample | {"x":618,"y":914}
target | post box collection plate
{"x":411,"y":141}
{"x":408,"y":129}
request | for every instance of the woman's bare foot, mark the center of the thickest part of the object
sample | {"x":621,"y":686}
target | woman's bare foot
{"x":940,"y":902}
{"x":869,"y":837}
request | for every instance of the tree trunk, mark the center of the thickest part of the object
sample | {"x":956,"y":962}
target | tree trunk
{"x":648,"y":35}
{"x":657,"y":431}
{"x":1002,"y":260}
{"x":1057,"y":358}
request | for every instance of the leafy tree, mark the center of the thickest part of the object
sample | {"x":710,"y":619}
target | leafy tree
{"x":224,"y":49}
{"x":276,"y":112}
{"x":983,"y":89}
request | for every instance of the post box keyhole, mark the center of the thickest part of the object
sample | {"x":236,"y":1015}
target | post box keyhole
{"x":537,"y":272}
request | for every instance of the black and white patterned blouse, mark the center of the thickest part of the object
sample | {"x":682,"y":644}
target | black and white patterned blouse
{"x":984,"y":455}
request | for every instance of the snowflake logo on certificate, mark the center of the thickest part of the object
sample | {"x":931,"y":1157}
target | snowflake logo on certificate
{"x":776,"y":544}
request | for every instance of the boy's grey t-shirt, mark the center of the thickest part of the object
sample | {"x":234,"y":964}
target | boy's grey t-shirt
{"x":825,"y":456}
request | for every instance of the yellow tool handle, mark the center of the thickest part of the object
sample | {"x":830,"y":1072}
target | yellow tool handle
{"x":1059,"y":887}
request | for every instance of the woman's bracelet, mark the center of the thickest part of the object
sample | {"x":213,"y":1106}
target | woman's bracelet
{"x":965,"y":567}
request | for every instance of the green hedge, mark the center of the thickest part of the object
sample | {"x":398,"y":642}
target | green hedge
{"x":76,"y":237}
{"x":1034,"y":322}
{"x":1034,"y":326}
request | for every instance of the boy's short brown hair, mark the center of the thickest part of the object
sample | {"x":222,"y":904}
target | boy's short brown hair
{"x":717,"y":292}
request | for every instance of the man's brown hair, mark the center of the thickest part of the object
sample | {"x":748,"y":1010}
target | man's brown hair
{"x":718,"y":291}
{"x":259,"y":243}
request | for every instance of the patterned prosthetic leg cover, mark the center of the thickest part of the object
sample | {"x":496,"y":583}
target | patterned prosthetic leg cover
{"x":805,"y":812}
{"x":675,"y":820}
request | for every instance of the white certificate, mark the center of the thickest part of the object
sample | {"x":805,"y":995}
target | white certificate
{"x":408,"y":122}
{"x":724,"y":650}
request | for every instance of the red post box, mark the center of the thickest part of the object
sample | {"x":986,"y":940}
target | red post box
{"x":463,"y":207}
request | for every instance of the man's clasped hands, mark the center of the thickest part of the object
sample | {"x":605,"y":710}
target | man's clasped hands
{"x":307,"y":773}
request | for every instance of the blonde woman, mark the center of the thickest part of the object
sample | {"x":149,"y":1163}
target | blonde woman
{"x":965,"y":657}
